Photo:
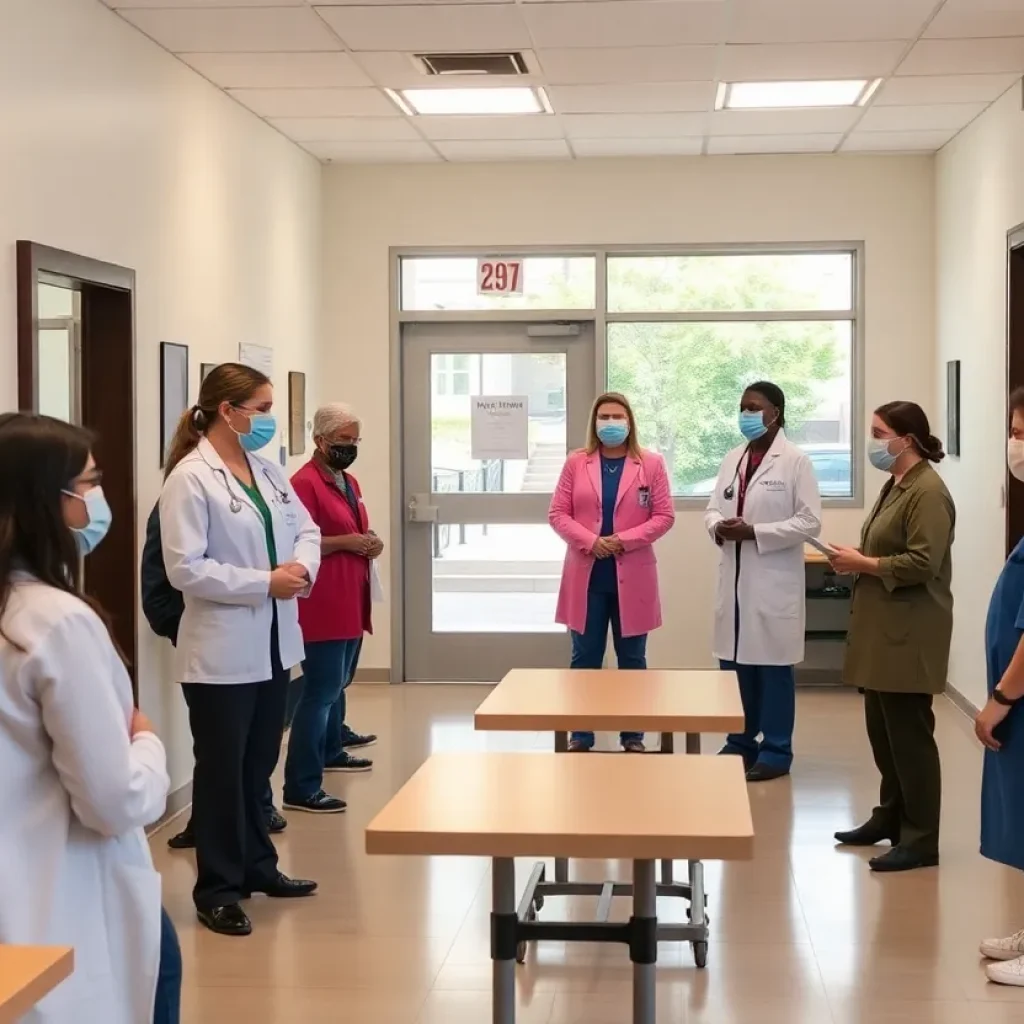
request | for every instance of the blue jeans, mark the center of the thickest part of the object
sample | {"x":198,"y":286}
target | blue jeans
{"x":167,"y":1006}
{"x":327,"y":669}
{"x":338,"y":731}
{"x":589,"y":646}
{"x":768,"y":693}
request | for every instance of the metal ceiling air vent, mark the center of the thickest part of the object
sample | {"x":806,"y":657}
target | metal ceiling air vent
{"x":472,"y":64}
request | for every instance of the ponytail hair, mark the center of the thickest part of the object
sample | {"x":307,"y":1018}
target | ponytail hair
{"x":233,"y":383}
{"x":908,"y":419}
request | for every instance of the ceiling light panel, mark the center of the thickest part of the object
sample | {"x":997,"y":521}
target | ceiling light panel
{"x":624,"y":23}
{"x":964,"y":57}
{"x":441,"y":27}
{"x":945,"y":116}
{"x":235,"y":29}
{"x":475,"y":152}
{"x":804,"y":61}
{"x":648,"y":98}
{"x":278,"y":70}
{"x":782,"y":95}
{"x":912,"y":90}
{"x":630,"y":65}
{"x":315,"y":102}
{"x":802,"y":21}
{"x":346,"y":129}
{"x":473,"y":101}
{"x":773,"y":144}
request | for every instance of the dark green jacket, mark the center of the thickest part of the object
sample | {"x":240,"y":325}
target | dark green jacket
{"x":901,"y":621}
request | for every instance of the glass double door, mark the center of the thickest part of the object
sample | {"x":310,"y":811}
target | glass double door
{"x":489,"y":412}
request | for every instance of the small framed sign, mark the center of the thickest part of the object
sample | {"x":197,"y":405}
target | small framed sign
{"x":499,"y":277}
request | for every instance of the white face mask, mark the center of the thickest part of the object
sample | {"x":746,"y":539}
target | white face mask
{"x":1015,"y":457}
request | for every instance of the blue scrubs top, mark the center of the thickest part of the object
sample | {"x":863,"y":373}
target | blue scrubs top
{"x":1002,"y":787}
{"x":603,"y":577}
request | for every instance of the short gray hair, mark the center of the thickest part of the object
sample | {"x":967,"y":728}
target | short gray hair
{"x":332,"y":417}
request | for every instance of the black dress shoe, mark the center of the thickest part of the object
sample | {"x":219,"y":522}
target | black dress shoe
{"x":229,"y":920}
{"x":901,"y":859}
{"x":285,"y":888}
{"x":276,"y":822}
{"x":868,"y":834}
{"x":318,"y":803}
{"x":765,"y":773}
{"x":184,"y":840}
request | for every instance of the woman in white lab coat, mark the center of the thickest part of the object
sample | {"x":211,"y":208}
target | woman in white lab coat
{"x":765,"y":506}
{"x":81,"y":771}
{"x":241,"y":548}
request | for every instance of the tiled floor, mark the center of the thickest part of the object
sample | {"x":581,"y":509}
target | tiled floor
{"x":804,"y":934}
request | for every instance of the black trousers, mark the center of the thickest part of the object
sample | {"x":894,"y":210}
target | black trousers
{"x":236,"y":735}
{"x":901,"y":728}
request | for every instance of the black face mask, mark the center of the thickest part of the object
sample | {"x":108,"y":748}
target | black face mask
{"x":340,"y":456}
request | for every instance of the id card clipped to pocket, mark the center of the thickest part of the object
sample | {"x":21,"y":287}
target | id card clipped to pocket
{"x":645,"y":497}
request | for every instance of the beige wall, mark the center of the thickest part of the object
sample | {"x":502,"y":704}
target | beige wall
{"x":886,"y":202}
{"x":979,"y":197}
{"x":113,"y":149}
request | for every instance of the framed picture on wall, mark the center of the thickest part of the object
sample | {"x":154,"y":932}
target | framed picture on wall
{"x":296,"y":413}
{"x":953,"y":407}
{"x":204,"y":370}
{"x":173,"y":392}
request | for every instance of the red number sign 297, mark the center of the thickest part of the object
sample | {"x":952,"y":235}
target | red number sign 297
{"x":499,"y":277}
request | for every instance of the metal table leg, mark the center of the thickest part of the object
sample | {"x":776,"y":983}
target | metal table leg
{"x":644,"y":907}
{"x":503,"y":901}
{"x":561,"y":864}
{"x":668,"y":746}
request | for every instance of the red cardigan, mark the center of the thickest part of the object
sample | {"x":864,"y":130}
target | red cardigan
{"x":338,"y":608}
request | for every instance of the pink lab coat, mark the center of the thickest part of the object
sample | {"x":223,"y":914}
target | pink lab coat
{"x":575,"y":515}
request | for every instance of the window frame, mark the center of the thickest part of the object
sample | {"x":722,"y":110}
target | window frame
{"x":601,"y":317}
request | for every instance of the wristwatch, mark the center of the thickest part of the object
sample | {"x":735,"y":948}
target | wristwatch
{"x":1000,"y":698}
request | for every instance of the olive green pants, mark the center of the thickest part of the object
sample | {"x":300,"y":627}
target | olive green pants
{"x":901,"y":728}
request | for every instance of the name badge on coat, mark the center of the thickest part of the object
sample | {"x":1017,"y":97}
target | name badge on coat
{"x":645,"y":497}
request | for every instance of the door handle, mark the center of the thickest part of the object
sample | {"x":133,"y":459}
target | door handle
{"x":420,"y":509}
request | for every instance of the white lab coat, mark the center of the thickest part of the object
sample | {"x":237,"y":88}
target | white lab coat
{"x":218,"y":559}
{"x":76,"y":791}
{"x":784,"y":506}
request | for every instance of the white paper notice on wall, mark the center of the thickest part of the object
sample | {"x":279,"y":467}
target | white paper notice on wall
{"x":499,"y":277}
{"x":499,"y":427}
{"x":259,"y":357}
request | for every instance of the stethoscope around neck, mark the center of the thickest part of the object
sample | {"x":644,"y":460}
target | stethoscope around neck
{"x":235,"y":503}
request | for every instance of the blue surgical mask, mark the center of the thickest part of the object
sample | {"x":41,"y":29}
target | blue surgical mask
{"x":752,"y":425}
{"x":613,"y":433}
{"x":262,"y":430}
{"x":879,"y":455}
{"x":89,"y":536}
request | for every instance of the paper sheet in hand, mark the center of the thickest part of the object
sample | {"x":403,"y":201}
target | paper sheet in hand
{"x":376,"y":585}
{"x":821,"y":546}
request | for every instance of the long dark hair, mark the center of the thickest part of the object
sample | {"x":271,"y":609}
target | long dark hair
{"x":40,"y":457}
{"x":908,"y":419}
{"x":234,"y":383}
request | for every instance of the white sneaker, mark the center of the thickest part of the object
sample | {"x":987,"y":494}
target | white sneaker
{"x":1004,"y":949}
{"x":1007,"y":972}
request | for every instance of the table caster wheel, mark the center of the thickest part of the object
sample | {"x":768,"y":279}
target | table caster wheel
{"x":700,"y":954}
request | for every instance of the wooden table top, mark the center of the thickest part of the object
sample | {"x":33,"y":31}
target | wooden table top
{"x":27,"y":974}
{"x":617,"y":806}
{"x":655,"y":700}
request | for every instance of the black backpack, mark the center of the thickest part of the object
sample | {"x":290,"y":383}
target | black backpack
{"x":161,"y":603}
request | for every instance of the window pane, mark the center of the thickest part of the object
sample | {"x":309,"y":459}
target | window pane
{"x":496,"y":579}
{"x":750,"y":281}
{"x":686,"y":380}
{"x":540,"y":377}
{"x":434,"y":283}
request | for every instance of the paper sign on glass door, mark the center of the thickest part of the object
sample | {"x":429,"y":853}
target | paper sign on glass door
{"x":499,"y":277}
{"x":499,"y":427}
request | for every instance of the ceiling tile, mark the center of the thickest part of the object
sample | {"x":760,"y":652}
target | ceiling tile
{"x":495,"y":150}
{"x":799,"y":21}
{"x":632,"y":65}
{"x":750,"y":144}
{"x":235,"y":30}
{"x":783,"y":122}
{"x":347,"y":129}
{"x":896,"y":142}
{"x":398,"y":3}
{"x":964,"y":57}
{"x":532,"y":126}
{"x":397,"y":70}
{"x":637,"y":147}
{"x":278,"y":70}
{"x":978,"y":20}
{"x":632,"y":99}
{"x":443,"y":27}
{"x":797,"y":61}
{"x":373,"y":152}
{"x":633,"y":126}
{"x":122,"y":5}
{"x":624,"y":23}
{"x":316,"y":102}
{"x":943,"y":89}
{"x":938,"y":117}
